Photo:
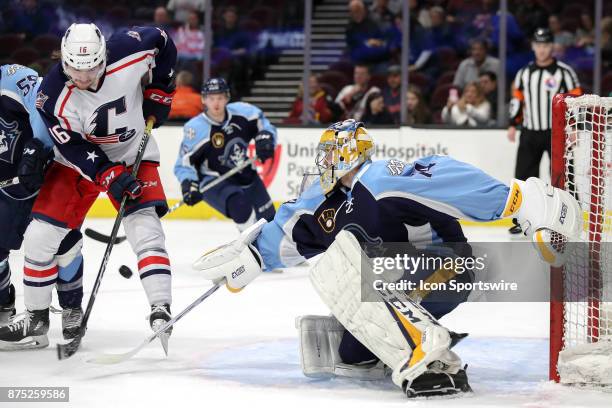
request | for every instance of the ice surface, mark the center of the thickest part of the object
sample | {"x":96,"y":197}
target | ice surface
{"x":237,"y":349}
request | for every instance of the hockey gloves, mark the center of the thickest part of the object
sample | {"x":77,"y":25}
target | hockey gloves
{"x":118,"y":182}
{"x":191,"y":192}
{"x":237,"y":263}
{"x":157,"y":101}
{"x":264,"y":145}
{"x":31,"y":168}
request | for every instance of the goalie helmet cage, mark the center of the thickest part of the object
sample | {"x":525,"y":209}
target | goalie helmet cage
{"x":581,"y":157}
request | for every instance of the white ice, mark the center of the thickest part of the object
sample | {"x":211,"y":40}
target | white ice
{"x":242,"y":348}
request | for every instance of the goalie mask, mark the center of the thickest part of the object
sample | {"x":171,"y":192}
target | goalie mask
{"x":342,"y":147}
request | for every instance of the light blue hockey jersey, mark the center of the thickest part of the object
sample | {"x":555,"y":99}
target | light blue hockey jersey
{"x":389,"y":201}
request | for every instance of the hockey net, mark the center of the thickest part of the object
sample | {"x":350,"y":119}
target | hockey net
{"x":581,"y":290}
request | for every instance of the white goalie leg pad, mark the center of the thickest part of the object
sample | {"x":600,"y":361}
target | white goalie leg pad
{"x":397,"y":330}
{"x":320,"y":338}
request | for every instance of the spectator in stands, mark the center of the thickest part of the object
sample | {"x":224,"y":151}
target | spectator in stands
{"x":441,"y":32}
{"x":472,"y":109}
{"x":478,"y":62}
{"x":189,"y":39}
{"x":488,"y":84}
{"x":375,"y":111}
{"x":31,"y":18}
{"x":352,"y":98}
{"x":585,"y":35}
{"x":320,"y":103}
{"x":187,"y":103}
{"x":420,"y":45}
{"x":364,"y":37}
{"x":419,"y":11}
{"x":229,"y":37}
{"x":606,"y":43}
{"x":530,"y":14}
{"x":391,"y":92}
{"x":183,"y":8}
{"x":418,"y":112}
{"x":381,"y":15}
{"x":563,"y":38}
{"x":161,"y":18}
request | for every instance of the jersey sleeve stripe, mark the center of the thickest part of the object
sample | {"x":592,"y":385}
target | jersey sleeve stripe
{"x":63,"y":105}
{"x":127,"y":64}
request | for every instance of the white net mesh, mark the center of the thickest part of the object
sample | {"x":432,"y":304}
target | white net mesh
{"x":588,"y":275}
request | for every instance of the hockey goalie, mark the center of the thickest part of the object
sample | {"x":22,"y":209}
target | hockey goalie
{"x":356,"y":199}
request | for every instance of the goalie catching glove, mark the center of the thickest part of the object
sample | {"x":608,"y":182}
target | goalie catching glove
{"x":550,"y":215}
{"x":238,"y":262}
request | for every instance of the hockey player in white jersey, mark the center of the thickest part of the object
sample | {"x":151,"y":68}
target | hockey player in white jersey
{"x":94,"y":104}
{"x":360,"y":200}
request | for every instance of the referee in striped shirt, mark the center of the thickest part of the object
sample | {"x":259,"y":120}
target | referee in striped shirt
{"x":531,"y":105}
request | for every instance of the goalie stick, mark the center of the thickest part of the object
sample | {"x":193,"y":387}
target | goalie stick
{"x":119,"y":358}
{"x":68,"y":349}
{"x":98,"y":236}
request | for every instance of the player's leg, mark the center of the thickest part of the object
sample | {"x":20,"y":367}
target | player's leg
{"x":70,"y":282}
{"x":15,"y":216}
{"x":262,"y":202}
{"x":144,"y":232}
{"x":402,"y":334}
{"x":61,"y":205}
{"x":230,"y":200}
{"x":7,"y":290}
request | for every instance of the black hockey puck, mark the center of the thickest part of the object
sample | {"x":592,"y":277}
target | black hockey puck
{"x":125,"y":271}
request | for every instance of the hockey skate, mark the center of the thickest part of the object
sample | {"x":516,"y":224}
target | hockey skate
{"x":436,"y":382}
{"x":160,"y":314}
{"x":29,"y":332}
{"x":71,"y":322}
{"x":7,"y":310}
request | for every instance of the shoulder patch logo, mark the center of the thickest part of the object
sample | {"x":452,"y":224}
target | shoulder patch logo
{"x":218,"y":140}
{"x":424,"y":170}
{"x":189,"y":133}
{"x":396,"y":167}
{"x":41,"y":98}
{"x":135,"y":35}
{"x":327,"y":220}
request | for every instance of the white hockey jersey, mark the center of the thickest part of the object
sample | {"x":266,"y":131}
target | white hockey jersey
{"x":92,"y":127}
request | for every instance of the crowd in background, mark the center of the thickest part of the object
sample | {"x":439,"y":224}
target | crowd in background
{"x":453,"y":69}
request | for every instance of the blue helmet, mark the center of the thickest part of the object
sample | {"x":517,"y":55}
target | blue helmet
{"x":215,"y":86}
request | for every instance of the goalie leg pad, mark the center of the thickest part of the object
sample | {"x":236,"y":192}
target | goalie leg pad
{"x":397,"y":330}
{"x":320,"y":338}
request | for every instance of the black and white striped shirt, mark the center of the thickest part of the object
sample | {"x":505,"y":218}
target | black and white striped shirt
{"x":533,"y":90}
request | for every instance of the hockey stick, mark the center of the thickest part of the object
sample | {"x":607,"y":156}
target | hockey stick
{"x":68,"y":349}
{"x":98,"y":236}
{"x":10,"y":182}
{"x":119,"y":358}
{"x":218,"y":180}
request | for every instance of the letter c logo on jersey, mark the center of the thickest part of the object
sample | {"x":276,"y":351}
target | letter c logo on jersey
{"x":327,"y":220}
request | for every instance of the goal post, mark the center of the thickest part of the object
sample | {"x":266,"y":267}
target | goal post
{"x":580,"y":312}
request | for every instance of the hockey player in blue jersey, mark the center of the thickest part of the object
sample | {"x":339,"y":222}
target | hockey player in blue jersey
{"x":356,"y":199}
{"x":25,"y":151}
{"x":216,"y":141}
